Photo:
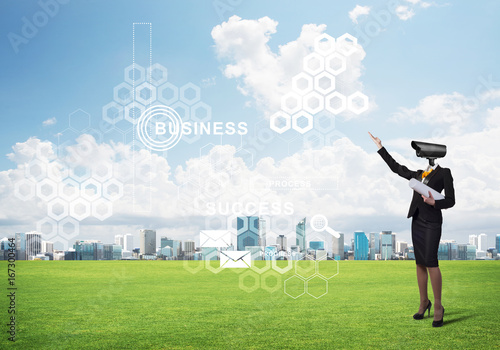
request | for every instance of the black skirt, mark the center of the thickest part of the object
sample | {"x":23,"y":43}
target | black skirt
{"x":425,"y":236}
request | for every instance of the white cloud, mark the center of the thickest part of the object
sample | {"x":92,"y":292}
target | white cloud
{"x":264,"y":75}
{"x":404,"y":12}
{"x":369,"y":196}
{"x":357,"y":12}
{"x":50,"y":121}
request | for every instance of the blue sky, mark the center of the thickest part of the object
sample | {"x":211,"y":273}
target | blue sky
{"x":443,"y":48}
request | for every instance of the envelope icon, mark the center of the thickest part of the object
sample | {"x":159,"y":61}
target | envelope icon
{"x":215,"y":238}
{"x":235,"y":259}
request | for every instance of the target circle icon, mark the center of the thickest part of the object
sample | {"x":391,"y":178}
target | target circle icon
{"x":145,"y":127}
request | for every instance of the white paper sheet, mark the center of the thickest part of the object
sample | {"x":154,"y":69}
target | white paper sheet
{"x":424,"y":189}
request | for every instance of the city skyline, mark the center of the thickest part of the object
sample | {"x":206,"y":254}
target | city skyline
{"x":250,"y":235}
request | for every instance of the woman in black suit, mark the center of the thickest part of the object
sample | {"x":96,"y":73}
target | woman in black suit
{"x":426,"y":228}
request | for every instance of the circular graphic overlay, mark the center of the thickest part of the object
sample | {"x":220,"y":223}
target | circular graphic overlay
{"x":159,"y":128}
{"x":319,"y":223}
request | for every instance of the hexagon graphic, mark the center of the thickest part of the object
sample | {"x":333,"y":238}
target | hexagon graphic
{"x":357,"y":102}
{"x":91,"y":190}
{"x":102,"y":171}
{"x":313,"y":102}
{"x":269,"y":286}
{"x":79,"y":173}
{"x":346,"y":44}
{"x":314,"y":139}
{"x":327,"y":268}
{"x":57,"y":171}
{"x":145,"y":93}
{"x":305,"y":268}
{"x":69,"y":190}
{"x":112,"y":189}
{"x":263,"y":269}
{"x":252,"y":276}
{"x":112,"y":112}
{"x":68,"y":228}
{"x":79,"y":120}
{"x":280,"y":122}
{"x":302,"y":83}
{"x":133,"y":111}
{"x":46,"y":189}
{"x":335,"y":103}
{"x":35,"y":170}
{"x":324,"y":83}
{"x":201,"y":112}
{"x":57,"y":209}
{"x":200,"y":264}
{"x":190,"y":94}
{"x":294,"y":286}
{"x":298,"y":121}
{"x":135,"y":74}
{"x":102,"y":209}
{"x":282,"y":270}
{"x":324,"y":44}
{"x":317,"y":286}
{"x":209,"y":266}
{"x":123,"y":94}
{"x":168,"y":93}
{"x":313,"y":63}
{"x":333,"y":136}
{"x":324,"y":123}
{"x":79,"y":209}
{"x":291,"y":102}
{"x":47,"y":227}
{"x":25,"y":189}
{"x":182,"y":110}
{"x":157,"y":74}
{"x":335,"y":63}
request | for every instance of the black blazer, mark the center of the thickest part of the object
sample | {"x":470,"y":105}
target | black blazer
{"x":438,"y":179}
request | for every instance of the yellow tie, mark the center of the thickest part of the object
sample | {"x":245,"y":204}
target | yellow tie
{"x":425,"y":173}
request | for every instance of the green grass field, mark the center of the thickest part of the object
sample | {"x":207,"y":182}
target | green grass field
{"x":161,"y":305}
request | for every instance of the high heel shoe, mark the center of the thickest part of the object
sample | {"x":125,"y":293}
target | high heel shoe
{"x":418,"y":316}
{"x":438,"y":323}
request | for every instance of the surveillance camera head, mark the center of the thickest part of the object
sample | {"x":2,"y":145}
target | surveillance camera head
{"x":428,"y":150}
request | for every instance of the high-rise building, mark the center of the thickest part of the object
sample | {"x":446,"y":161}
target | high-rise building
{"x":281,"y":241}
{"x":360,"y":246}
{"x":107,"y":249}
{"x":401,"y":246}
{"x":33,"y":243}
{"x":247,"y":232}
{"x":473,"y":240}
{"x":374,"y":247}
{"x":117,"y":252}
{"x":300,"y":234}
{"x":471,"y":252}
{"x":497,"y":242}
{"x":128,"y":242}
{"x":443,"y":251}
{"x":47,"y":247}
{"x":482,"y":242}
{"x":119,"y":240}
{"x":262,"y":232}
{"x":21,"y":246}
{"x":176,"y":246}
{"x":189,"y":248}
{"x":147,"y":242}
{"x":338,"y":247}
{"x":386,"y":247}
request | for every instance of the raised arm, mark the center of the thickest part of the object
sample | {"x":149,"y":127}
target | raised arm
{"x":397,"y":168}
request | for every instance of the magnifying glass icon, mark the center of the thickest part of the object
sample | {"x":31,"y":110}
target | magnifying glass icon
{"x":319,"y":223}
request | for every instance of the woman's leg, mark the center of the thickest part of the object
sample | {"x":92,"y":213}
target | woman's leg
{"x":437,"y":286}
{"x":422,"y":279}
